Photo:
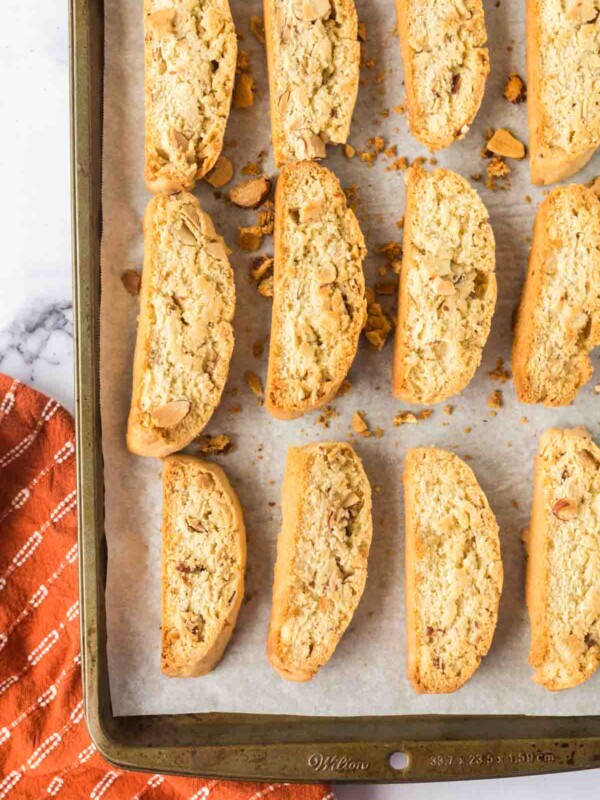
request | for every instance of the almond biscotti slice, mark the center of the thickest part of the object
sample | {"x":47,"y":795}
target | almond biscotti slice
{"x":190,"y":58}
{"x":313,"y":56}
{"x":447,"y":292}
{"x":563,"y":567}
{"x":185,"y":337}
{"x":322,"y":555}
{"x":453,"y":570}
{"x":445,"y":66}
{"x":203,"y":564}
{"x":558,"y":323}
{"x":563,"y":71}
{"x":319,"y":303}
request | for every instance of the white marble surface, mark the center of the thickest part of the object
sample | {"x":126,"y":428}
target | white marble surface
{"x":36,"y":336}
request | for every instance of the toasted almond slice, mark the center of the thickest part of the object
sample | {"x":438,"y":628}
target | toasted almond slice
{"x":221,"y":173}
{"x":170,"y":414}
{"x":251,"y":193}
{"x":503,"y":143}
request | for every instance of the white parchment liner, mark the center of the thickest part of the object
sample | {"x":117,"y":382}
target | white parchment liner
{"x":367,"y":674}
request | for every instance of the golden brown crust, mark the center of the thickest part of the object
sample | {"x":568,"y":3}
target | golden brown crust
{"x":319,"y":284}
{"x":454,"y":571}
{"x":445,"y":67}
{"x":187,"y":97}
{"x":183,"y":348}
{"x":566,"y":40}
{"x":322,"y":554}
{"x":563,"y":565}
{"x":447,"y":290}
{"x":318,"y":56}
{"x":558,"y":321}
{"x":190,"y":486}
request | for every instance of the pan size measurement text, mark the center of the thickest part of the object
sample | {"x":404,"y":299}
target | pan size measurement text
{"x":489,"y":759}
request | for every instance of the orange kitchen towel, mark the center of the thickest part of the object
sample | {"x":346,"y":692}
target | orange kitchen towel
{"x":45,"y":749}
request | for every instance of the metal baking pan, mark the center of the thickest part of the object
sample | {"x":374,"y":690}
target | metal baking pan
{"x":246,"y":746}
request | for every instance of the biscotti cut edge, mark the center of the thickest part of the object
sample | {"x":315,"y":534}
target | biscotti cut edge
{"x":300,"y":171}
{"x":552,"y":671}
{"x":278,"y":136}
{"x":548,"y":164}
{"x":418,"y":119}
{"x":559,"y":393}
{"x":162,"y":175}
{"x":295,"y":490}
{"x":458,"y":379}
{"x":155,"y":442}
{"x":427,"y":680}
{"x":210,"y":655}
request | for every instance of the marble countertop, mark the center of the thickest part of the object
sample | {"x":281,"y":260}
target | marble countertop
{"x":36,"y":313}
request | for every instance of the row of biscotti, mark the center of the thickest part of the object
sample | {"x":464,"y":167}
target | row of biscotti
{"x":446,"y":301}
{"x":454,"y":570}
{"x":313,"y":57}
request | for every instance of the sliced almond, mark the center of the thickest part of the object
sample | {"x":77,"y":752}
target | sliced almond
{"x":186,"y":235}
{"x":581,"y":10}
{"x":315,"y":146}
{"x":179,"y":140}
{"x":311,"y":10}
{"x":170,"y":414}
{"x":161,"y":22}
{"x":564,"y":509}
{"x":503,"y":143}
{"x":221,"y":173}
{"x":443,"y":287}
{"x":196,"y":525}
{"x":327,"y":274}
{"x":251,"y":193}
{"x":310,"y":212}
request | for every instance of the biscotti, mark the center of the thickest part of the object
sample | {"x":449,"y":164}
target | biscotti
{"x":445,"y":66}
{"x":453,"y":570}
{"x":558,"y":322}
{"x":313,"y":56}
{"x":190,"y":58}
{"x":185,"y":338}
{"x":447,"y":291}
{"x":563,"y":70}
{"x":203,"y":564}
{"x":563,"y":567}
{"x":322,"y":555}
{"x":319,"y":303}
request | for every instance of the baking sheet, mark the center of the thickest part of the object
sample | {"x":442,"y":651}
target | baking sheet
{"x":367,"y":674}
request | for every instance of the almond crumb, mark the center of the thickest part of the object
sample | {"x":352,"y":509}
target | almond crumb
{"x":132,"y":280}
{"x":221,"y":173}
{"x":495,"y":400}
{"x":255,"y":385}
{"x":359,"y":424}
{"x":250,"y":239}
{"x":251,"y":193}
{"x":257,"y":28}
{"x":404,"y":418}
{"x":515,"y":90}
{"x":503,"y":143}
{"x":214,"y":445}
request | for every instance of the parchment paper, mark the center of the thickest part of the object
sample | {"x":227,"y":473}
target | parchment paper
{"x":367,"y":674}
